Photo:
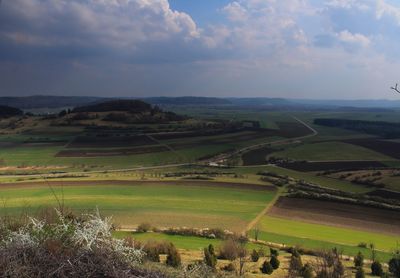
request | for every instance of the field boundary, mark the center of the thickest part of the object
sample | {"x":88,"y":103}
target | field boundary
{"x":264,"y":211}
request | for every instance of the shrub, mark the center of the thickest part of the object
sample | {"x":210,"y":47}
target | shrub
{"x":229,"y":267}
{"x":394,"y":266}
{"x":261,"y":252}
{"x":360,"y":273}
{"x":362,"y":245}
{"x":173,"y":257}
{"x":274,"y":252}
{"x":295,"y":265}
{"x":267,"y":268}
{"x":41,"y":249}
{"x":359,"y":260}
{"x":295,"y":252}
{"x":153,"y":249}
{"x":209,"y":256}
{"x":229,"y":250}
{"x":307,"y":271}
{"x":254,"y":256}
{"x":274,"y":262}
{"x":376,"y":269}
{"x":338,"y":268}
{"x":143,"y":228}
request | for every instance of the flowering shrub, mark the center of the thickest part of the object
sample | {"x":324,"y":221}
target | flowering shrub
{"x":69,"y":247}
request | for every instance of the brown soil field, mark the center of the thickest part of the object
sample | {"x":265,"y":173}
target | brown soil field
{"x":257,"y":157}
{"x":111,"y":152}
{"x":140,"y":183}
{"x":388,"y":148}
{"x":385,"y":194}
{"x":304,"y":166}
{"x":338,"y":214}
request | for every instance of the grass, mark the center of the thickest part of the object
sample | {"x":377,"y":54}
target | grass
{"x":161,"y":205}
{"x":321,"y":245}
{"x":45,"y":156}
{"x":330,"y":151}
{"x":324,"y":233}
{"x":319,"y":180}
{"x":181,"y":242}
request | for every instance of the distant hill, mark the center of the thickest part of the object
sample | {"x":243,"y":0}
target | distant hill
{"x":7,"y":111}
{"x":40,"y":101}
{"x":123,"y":105}
{"x":124,"y":111}
{"x":261,"y":102}
{"x":361,"y":103}
{"x":202,"y":101}
{"x":54,"y":102}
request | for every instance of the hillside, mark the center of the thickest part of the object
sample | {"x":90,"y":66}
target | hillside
{"x":7,"y":111}
{"x":121,"y":111}
{"x":132,"y":106}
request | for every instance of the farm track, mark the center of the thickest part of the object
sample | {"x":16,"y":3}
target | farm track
{"x":269,"y":206}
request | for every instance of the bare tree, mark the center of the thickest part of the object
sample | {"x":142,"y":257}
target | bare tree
{"x":242,"y":258}
{"x":395,"y":88}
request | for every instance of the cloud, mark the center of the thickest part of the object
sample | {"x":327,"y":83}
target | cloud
{"x":385,"y":9}
{"x":263,"y":47}
{"x":123,"y":25}
{"x":347,"y":37}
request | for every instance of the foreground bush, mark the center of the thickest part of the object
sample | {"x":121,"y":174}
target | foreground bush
{"x":173,"y":257}
{"x":68,"y":247}
{"x":360,"y":273}
{"x":267,"y":268}
{"x":254,"y":256}
{"x":376,"y":269}
{"x":274,"y":262}
{"x":210,"y":258}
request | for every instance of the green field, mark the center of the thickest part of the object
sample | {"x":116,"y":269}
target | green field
{"x":323,"y":233}
{"x":162,"y":205}
{"x":181,"y":242}
{"x":330,"y":151}
{"x":46,"y":156}
{"x":313,"y":244}
{"x":309,"y":177}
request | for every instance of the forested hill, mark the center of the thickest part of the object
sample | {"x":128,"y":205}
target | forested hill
{"x":7,"y":111}
{"x":191,"y":101}
{"x":124,"y":105}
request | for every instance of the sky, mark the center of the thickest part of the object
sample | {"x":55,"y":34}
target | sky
{"x":336,"y":49}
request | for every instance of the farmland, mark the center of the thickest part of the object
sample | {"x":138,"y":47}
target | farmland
{"x":326,"y":233}
{"x":336,"y":214}
{"x":213,"y":168}
{"x":198,"y":204}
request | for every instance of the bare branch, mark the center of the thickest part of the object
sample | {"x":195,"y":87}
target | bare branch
{"x":395,"y":88}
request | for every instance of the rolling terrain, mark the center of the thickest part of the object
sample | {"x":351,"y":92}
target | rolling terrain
{"x":277,"y":174}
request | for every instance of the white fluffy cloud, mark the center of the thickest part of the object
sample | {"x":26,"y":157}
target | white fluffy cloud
{"x":347,"y":37}
{"x":115,"y":23}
